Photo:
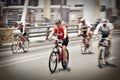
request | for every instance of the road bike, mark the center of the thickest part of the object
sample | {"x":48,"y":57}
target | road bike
{"x":56,"y":56}
{"x":17,"y":44}
{"x":104,"y":52}
{"x":86,"y":45}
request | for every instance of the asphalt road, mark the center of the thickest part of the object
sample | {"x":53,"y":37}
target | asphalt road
{"x":33,"y":65}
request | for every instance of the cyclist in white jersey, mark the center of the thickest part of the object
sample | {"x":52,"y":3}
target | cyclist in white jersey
{"x":84,"y":28}
{"x":106,"y":29}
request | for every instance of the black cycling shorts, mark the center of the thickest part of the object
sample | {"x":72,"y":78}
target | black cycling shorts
{"x":65,"y":41}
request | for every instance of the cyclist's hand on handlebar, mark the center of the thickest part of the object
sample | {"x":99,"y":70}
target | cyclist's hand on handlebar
{"x":78,"y":35}
{"x":48,"y":39}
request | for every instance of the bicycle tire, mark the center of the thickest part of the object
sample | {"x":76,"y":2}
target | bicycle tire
{"x":25,"y":45}
{"x":65,"y":66}
{"x":86,"y":50}
{"x":15,"y":46}
{"x":55,"y":61}
{"x":100,"y":59}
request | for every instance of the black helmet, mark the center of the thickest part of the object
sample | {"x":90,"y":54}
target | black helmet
{"x":58,"y":21}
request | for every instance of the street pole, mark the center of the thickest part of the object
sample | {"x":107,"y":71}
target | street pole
{"x":61,"y":11}
{"x":47,"y":9}
{"x":24,"y":13}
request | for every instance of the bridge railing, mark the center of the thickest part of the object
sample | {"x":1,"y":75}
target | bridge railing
{"x":45,"y":30}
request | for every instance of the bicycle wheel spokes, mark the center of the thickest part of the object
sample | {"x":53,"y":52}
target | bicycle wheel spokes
{"x":52,"y":62}
{"x":15,"y":47}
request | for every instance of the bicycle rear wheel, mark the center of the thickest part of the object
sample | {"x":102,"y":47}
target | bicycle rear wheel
{"x":15,"y":46}
{"x":65,"y":65}
{"x":52,"y":62}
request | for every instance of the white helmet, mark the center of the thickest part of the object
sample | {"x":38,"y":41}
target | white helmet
{"x":104,"y":20}
{"x":82,"y":19}
{"x":19,"y":22}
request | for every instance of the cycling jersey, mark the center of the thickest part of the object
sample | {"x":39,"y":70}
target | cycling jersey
{"x":20,"y":27}
{"x":60,"y":32}
{"x":84,"y":27}
{"x":104,"y":29}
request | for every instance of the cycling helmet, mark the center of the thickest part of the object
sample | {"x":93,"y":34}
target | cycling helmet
{"x":58,"y":21}
{"x":104,"y":20}
{"x":19,"y":22}
{"x":82,"y":19}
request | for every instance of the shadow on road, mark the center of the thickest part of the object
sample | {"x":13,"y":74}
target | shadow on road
{"x":61,"y":69}
{"x":109,"y":65}
{"x":88,"y":53}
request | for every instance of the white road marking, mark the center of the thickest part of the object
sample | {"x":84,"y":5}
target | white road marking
{"x":31,"y":59}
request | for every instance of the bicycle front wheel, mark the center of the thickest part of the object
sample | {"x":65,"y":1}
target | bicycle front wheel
{"x":101,"y":61}
{"x":86,"y":48}
{"x":25,"y":45}
{"x":52,"y":62}
{"x":15,"y":46}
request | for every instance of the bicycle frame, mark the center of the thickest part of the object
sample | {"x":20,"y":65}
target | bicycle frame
{"x":56,"y":57}
{"x":16,"y":45}
{"x":85,"y":46}
{"x":58,"y":49}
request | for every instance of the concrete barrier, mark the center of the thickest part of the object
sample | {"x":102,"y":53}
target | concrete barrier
{"x":6,"y":35}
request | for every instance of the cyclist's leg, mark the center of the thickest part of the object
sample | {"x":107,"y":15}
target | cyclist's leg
{"x":64,"y":45}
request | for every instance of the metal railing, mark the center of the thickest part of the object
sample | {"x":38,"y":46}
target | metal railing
{"x":45,"y":30}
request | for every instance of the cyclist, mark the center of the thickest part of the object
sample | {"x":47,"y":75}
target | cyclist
{"x":61,"y":31}
{"x":21,"y":27}
{"x":85,"y":29}
{"x":106,"y":29}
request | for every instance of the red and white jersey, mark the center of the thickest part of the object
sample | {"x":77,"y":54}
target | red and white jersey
{"x":60,"y":31}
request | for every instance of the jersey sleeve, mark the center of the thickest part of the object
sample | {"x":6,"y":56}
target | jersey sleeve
{"x":111,"y":27}
{"x":88,"y":24}
{"x":80,"y":25}
{"x":97,"y":28}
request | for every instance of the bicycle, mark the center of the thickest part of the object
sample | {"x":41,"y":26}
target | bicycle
{"x":86,"y":45}
{"x":104,"y":52}
{"x":17,"y":44}
{"x":56,"y":56}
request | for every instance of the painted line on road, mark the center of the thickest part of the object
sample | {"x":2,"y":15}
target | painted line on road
{"x":5,"y":65}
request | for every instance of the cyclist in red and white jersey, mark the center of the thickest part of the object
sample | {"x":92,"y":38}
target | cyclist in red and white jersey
{"x":61,"y":31}
{"x":84,"y":28}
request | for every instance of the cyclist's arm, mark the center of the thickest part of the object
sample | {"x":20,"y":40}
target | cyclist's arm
{"x":111,"y":30}
{"x":50,"y":35}
{"x":97,"y":29}
{"x":65,"y":33}
{"x":79,"y":30}
{"x":89,"y":28}
{"x":110,"y":34}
